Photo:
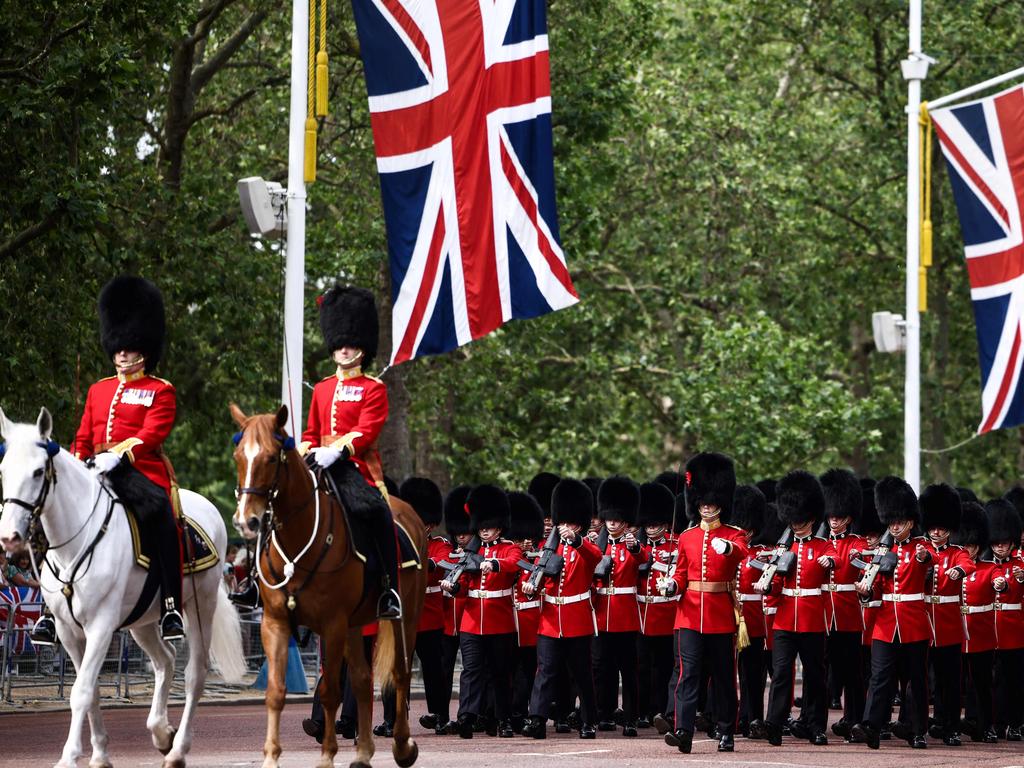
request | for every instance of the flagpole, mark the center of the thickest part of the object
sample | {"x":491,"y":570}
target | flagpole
{"x":291,"y":378}
{"x":970,"y":90}
{"x":915,"y":69}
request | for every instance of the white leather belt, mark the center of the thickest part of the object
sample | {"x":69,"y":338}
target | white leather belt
{"x":771,"y":611}
{"x":657,"y":599}
{"x":1008,"y":606}
{"x":749,"y":597}
{"x":489,"y":593}
{"x":616,"y":590}
{"x":527,"y":605}
{"x":566,"y":599}
{"x":942,"y":599}
{"x":838,"y":587}
{"x":800,"y":592}
{"x":977,"y":608}
{"x":433,"y":590}
{"x":902,"y":598}
{"x":873,"y":604}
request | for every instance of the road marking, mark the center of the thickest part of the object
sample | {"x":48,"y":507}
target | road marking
{"x":560,"y":754}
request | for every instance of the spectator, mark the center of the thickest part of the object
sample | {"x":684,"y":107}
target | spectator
{"x":3,"y":568}
{"x":20,"y":573}
{"x":229,"y":568}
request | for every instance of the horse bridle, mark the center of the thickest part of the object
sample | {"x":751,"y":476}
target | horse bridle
{"x":269,"y":491}
{"x":35,"y":508}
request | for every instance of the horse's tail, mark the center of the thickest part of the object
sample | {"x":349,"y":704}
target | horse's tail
{"x":388,"y":653}
{"x":226,"y":639}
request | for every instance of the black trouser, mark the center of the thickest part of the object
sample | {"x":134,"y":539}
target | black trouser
{"x":654,"y":671}
{"x":522,"y":679}
{"x":616,"y":655}
{"x":810,"y":646}
{"x":843,"y":650}
{"x":486,"y":657}
{"x":945,"y":660}
{"x":886,"y":661}
{"x":153,"y":510}
{"x":715,"y":654}
{"x":1008,"y":688}
{"x":349,"y":710}
{"x":552,"y":654}
{"x":428,"y":650}
{"x":565,"y":694}
{"x":977,"y":669}
{"x":449,"y":652}
{"x":753,"y":668}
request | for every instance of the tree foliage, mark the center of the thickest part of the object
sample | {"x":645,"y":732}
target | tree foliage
{"x":731,"y":197}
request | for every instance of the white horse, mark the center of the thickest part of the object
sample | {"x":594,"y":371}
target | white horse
{"x":89,"y":537}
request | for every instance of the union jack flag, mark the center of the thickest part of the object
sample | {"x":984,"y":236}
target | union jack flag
{"x":460,"y":104}
{"x":25,"y":605}
{"x":983,"y":142}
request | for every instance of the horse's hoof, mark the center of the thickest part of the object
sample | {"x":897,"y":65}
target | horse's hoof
{"x":171,"y":730}
{"x":178,"y":762}
{"x":359,"y":764}
{"x":100,"y":764}
{"x":410,"y":756}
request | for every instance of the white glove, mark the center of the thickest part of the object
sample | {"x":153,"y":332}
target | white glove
{"x":719,"y":545}
{"x":324,"y":457}
{"x":666,"y":586}
{"x":104,"y":462}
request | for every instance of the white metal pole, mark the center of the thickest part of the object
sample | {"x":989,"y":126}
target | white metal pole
{"x":971,"y":90}
{"x":291,"y":378}
{"x":915,"y":69}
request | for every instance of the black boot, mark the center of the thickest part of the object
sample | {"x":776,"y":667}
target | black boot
{"x":389,"y":606}
{"x":171,"y":625}
{"x":535,"y":728}
{"x":682,"y":740}
{"x":464,"y":727}
{"x":314,"y":729}
{"x":44,"y":631}
{"x":248,"y":597}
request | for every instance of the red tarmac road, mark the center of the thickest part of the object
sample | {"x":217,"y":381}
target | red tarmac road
{"x":232,"y":737}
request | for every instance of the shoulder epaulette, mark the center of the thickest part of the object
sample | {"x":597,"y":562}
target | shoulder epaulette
{"x":165,"y":381}
{"x":372,"y":378}
{"x":106,"y":378}
{"x":734,"y":527}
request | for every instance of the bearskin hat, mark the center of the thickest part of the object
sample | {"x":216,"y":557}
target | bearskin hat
{"x":618,"y":498}
{"x":679,"y":513}
{"x":896,"y":500}
{"x":540,"y":488}
{"x":527,"y":518}
{"x":710,"y":479}
{"x":674,"y":481}
{"x":656,"y":503}
{"x":940,"y":507}
{"x":423,"y":495}
{"x":868,"y":523}
{"x":488,"y":508}
{"x":1016,"y":497}
{"x":973,"y":526}
{"x":748,"y":506}
{"x":456,"y":517}
{"x":773,"y":527}
{"x":348,"y":318}
{"x":843,"y":496}
{"x":572,"y":503}
{"x":767,"y":487}
{"x":1004,"y":522}
{"x":799,"y":498}
{"x":131,"y":313}
{"x":966,"y":494}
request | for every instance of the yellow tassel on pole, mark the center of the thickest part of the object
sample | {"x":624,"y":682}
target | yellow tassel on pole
{"x":321,"y":64}
{"x":922,"y":289}
{"x":925,"y":170}
{"x":309,"y":164}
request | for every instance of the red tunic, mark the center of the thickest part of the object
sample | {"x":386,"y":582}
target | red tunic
{"x":903,"y":615}
{"x":978,"y":597}
{"x":567,"y":610}
{"x":349,"y":412}
{"x":842,"y":606}
{"x":943,"y":600}
{"x":1008,"y":603}
{"x":489,"y":595}
{"x":432,"y":617}
{"x":657,"y":612}
{"x":131,"y":415}
{"x":527,"y":611}
{"x":704,"y":607}
{"x":752,"y":602}
{"x":801,"y":604}
{"x":615,"y":603}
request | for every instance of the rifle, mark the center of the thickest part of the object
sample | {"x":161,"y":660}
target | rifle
{"x":780,"y":562}
{"x":823,"y":529}
{"x":883,"y":560}
{"x":470,"y":563}
{"x":549,"y":563}
{"x":604,"y":568}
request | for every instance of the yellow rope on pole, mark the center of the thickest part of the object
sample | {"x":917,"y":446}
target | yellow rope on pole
{"x":321,"y":64}
{"x":925,"y":176}
{"x":309,"y":164}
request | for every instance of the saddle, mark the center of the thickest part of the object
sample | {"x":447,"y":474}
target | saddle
{"x":198,"y":552}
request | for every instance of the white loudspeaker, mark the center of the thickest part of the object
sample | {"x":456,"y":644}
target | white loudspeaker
{"x":264,"y":207}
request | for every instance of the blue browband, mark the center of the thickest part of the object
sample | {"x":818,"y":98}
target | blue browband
{"x":287,"y":443}
{"x":53,"y":447}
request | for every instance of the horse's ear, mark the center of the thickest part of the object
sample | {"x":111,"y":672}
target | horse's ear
{"x":45,"y":423}
{"x":237,"y":414}
{"x":282,"y":416}
{"x":6,"y":425}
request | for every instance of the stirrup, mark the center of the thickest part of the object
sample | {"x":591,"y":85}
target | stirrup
{"x":44,"y":631}
{"x":172,"y":626}
{"x":389,"y":606}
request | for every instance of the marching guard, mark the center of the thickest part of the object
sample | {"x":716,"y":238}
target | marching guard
{"x":527,"y":531}
{"x":748,"y":513}
{"x":1004,"y":530}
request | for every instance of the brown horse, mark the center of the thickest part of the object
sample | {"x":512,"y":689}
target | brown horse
{"x":320,"y":586}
